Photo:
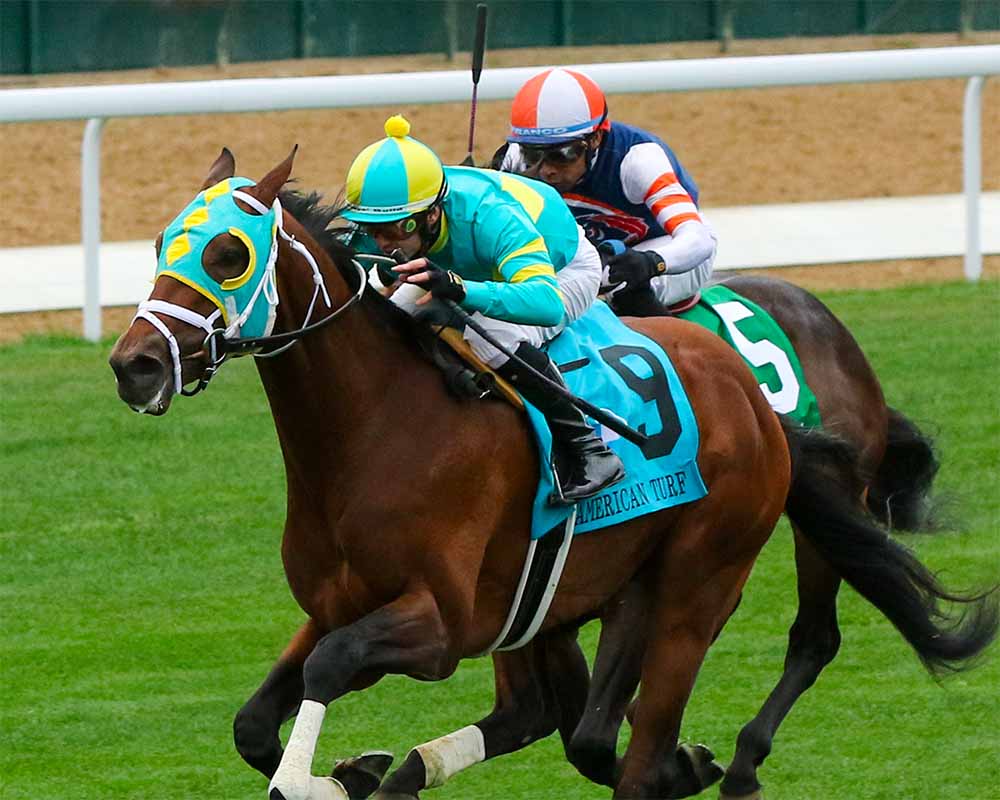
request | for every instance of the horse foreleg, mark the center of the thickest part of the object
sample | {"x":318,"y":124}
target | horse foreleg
{"x":407,"y":636}
{"x":813,"y":642}
{"x":539,"y":688}
{"x":617,"y":668}
{"x":255,"y":729}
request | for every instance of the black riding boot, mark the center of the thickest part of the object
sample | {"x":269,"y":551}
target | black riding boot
{"x":584,"y":463}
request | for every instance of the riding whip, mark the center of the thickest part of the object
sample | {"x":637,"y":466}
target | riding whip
{"x":478,"y":50}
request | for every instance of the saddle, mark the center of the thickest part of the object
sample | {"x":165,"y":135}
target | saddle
{"x":465,"y":373}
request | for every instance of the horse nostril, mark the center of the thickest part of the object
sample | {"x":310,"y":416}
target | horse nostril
{"x":145,"y":367}
{"x":139,"y":377}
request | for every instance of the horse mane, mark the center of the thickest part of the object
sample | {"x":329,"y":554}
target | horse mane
{"x":326,"y":225}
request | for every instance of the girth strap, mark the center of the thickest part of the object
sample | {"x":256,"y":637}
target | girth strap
{"x":543,"y":568}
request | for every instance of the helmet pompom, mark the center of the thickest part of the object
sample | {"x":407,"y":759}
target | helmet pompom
{"x":397,"y":127}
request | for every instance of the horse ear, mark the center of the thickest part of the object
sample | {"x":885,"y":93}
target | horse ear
{"x":224,"y":167}
{"x":267,"y":188}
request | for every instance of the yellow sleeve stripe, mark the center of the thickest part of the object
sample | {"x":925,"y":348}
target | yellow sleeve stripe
{"x":534,"y":271}
{"x":537,"y":246}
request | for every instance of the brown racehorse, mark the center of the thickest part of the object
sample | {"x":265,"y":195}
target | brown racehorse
{"x":412,"y":581}
{"x":893,"y":466}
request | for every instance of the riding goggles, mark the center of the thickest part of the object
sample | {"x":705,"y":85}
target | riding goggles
{"x":557,"y":154}
{"x":395,"y":231}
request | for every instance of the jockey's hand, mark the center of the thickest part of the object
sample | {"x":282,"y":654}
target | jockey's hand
{"x":635,"y":268}
{"x":442,"y":284}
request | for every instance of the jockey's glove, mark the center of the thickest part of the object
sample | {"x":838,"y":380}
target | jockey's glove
{"x":635,"y":268}
{"x":444,"y":284}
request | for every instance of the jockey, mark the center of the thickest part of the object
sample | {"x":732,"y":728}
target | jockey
{"x":625,"y":186}
{"x":502,"y":247}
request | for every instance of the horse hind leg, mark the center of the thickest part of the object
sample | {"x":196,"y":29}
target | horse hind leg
{"x":700,"y":585}
{"x":813,"y":641}
{"x":617,"y":669}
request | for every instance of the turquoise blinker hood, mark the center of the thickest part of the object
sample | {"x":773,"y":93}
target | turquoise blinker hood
{"x":248,"y":301}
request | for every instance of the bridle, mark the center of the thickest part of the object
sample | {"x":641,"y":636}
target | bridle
{"x":221,"y":343}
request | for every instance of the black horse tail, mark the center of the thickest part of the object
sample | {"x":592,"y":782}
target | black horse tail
{"x":899,"y":497}
{"x":824,"y":503}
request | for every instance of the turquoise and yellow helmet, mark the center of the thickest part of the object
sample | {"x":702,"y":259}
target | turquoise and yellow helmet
{"x":393,"y":178}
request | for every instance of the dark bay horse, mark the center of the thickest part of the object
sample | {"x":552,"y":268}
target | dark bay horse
{"x":412,"y":581}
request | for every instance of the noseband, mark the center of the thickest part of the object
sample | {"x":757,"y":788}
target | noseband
{"x":221,"y":343}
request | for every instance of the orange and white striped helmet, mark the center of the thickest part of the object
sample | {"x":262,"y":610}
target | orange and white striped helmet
{"x":557,"y":105}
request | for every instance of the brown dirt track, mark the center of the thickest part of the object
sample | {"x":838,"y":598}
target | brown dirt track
{"x":743,"y":147}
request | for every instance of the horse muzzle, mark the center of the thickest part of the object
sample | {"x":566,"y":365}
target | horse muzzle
{"x":144,"y":379}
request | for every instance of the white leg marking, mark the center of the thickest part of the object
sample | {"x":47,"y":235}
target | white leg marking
{"x":294,"y":778}
{"x":451,"y":754}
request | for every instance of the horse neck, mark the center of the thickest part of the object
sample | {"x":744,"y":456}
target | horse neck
{"x":322,"y":389}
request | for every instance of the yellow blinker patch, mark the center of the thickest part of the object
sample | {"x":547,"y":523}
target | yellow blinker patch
{"x":197,"y":217}
{"x":222,"y":187}
{"x":180,"y":246}
{"x":239,"y":280}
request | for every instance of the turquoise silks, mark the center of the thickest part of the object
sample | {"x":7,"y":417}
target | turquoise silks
{"x":247,"y":301}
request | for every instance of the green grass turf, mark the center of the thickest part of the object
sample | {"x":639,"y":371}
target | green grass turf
{"x":143,"y":598}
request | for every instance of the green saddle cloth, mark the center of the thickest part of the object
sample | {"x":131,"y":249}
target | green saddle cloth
{"x":755,"y":335}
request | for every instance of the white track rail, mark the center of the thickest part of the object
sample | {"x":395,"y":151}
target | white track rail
{"x":97,"y":103}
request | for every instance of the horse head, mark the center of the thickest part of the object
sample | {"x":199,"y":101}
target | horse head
{"x":215,"y":282}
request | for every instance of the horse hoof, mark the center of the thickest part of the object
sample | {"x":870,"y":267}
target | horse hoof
{"x":699,"y":769}
{"x":703,"y":764}
{"x":756,"y":795}
{"x":362,"y":775}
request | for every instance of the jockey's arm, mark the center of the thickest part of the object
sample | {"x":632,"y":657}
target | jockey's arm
{"x":648,"y":177}
{"x":691,"y":244}
{"x":524,"y":288}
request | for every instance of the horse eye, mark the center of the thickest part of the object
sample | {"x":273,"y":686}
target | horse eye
{"x":232,"y":255}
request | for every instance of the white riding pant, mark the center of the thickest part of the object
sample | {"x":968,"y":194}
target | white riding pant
{"x":579,"y":282}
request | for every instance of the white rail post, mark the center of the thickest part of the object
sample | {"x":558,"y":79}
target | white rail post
{"x":972,"y":178}
{"x":90,"y":227}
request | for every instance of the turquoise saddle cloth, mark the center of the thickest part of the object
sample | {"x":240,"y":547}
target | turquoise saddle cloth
{"x":630,"y":376}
